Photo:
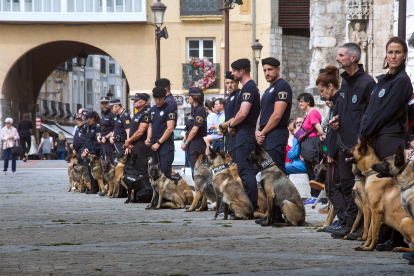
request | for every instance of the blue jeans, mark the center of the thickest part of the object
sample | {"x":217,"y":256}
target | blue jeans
{"x":61,"y":154}
{"x":7,"y":153}
{"x":218,"y":144}
{"x":290,"y":169}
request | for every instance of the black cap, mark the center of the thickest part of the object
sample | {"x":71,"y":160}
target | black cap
{"x":145,"y":96}
{"x":159,"y":92}
{"x":104,"y":100}
{"x":88,"y":116}
{"x":139,"y":96}
{"x":229,"y":76}
{"x":84,"y":112}
{"x":195,"y":91}
{"x":241,"y":63}
{"x":271,"y":61}
{"x":162,"y":82}
{"x":114,"y":102}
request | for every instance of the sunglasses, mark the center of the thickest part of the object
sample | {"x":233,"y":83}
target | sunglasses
{"x":8,"y":123}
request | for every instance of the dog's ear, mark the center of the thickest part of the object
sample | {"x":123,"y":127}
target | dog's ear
{"x":399,"y":157}
{"x":314,"y":163}
{"x":212,"y":153}
{"x":196,"y":154}
{"x":363,"y":147}
{"x":218,"y":150}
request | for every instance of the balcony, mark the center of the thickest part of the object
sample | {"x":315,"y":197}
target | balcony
{"x":73,"y":10}
{"x":103,"y":65}
{"x":200,"y":7}
{"x":201,"y":76}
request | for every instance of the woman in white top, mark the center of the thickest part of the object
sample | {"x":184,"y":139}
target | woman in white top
{"x":46,"y":145}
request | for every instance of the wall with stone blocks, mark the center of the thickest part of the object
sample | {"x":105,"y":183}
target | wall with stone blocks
{"x":295,"y":63}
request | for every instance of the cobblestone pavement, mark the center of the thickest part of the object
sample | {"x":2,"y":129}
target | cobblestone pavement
{"x":45,"y":230}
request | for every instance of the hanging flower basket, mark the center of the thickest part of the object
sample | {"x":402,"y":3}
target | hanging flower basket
{"x":205,"y":73}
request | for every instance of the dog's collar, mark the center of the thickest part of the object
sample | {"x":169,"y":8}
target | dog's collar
{"x":230,"y":163}
{"x":219,"y":169}
{"x":403,"y":168}
{"x":156,"y":178}
{"x":407,"y":188}
{"x":267,"y":163}
{"x":357,"y":179}
{"x":370,"y":174}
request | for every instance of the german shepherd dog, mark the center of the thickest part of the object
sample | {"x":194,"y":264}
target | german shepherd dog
{"x":383,"y":198}
{"x":166,"y":189}
{"x":81,"y":178}
{"x":203,"y":183}
{"x":279,"y":189}
{"x":108,"y":171}
{"x":119,"y":174}
{"x":96,"y":171}
{"x":401,"y":170}
{"x":183,"y":186}
{"x":228,"y":190}
{"x":71,"y":159}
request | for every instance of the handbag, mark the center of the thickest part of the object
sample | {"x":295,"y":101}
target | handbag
{"x":17,"y":150}
{"x":302,"y":133}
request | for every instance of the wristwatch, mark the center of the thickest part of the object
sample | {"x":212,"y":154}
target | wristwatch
{"x":220,"y":126}
{"x":230,"y":125}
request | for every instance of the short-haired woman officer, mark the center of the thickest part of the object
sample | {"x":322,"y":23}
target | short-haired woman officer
{"x":196,"y":126}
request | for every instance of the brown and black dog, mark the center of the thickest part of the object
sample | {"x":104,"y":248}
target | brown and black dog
{"x":81,"y":178}
{"x":71,"y":159}
{"x":96,"y":170}
{"x":108,"y":171}
{"x":183,"y":186}
{"x":228,"y":190}
{"x":383,"y":198}
{"x":119,"y":175}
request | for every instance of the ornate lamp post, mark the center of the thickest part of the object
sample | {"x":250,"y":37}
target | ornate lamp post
{"x":82,"y":58}
{"x":58,"y":85}
{"x":257,"y":50}
{"x":158,"y":10}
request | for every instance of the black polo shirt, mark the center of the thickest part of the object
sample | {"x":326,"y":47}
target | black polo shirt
{"x":159,"y":116}
{"x":249,"y":93}
{"x":230,"y":105}
{"x":108,"y":121}
{"x":280,"y":91}
{"x":91,"y":142}
{"x":331,"y":134}
{"x":123,"y":122}
{"x":169,"y":99}
{"x":141,"y":117}
{"x":197,"y":118}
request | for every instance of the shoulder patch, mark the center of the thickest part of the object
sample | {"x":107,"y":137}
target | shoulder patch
{"x":127,"y":122}
{"x":146,"y":119}
{"x":172,"y":116}
{"x":282,"y":95}
{"x":246,"y":96}
{"x":199,"y":119}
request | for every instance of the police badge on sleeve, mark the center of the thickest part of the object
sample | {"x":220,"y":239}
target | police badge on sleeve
{"x":245,"y":96}
{"x":172,"y":116}
{"x":282,"y":95}
{"x":199,"y":119}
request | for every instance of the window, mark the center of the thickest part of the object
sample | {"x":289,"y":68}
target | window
{"x":89,"y":61}
{"x":112,"y":89}
{"x":89,"y":92}
{"x":111,"y":68}
{"x":28,"y":5}
{"x":137,"y":6}
{"x":79,"y":5}
{"x":200,"y":48}
{"x":98,"y":5}
{"x":16,"y":5}
{"x":88,"y":85}
{"x":109,"y":5}
{"x":56,"y":5}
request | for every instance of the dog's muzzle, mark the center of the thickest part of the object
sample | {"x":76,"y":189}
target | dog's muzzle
{"x":349,"y":159}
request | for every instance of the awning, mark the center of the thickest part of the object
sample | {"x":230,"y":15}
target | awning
{"x":64,"y":129}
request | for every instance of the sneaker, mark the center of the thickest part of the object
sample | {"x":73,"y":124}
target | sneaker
{"x":14,"y":173}
{"x":261,"y":220}
{"x":312,"y":200}
{"x":324,"y":210}
{"x":341,"y":233}
{"x":4,"y":172}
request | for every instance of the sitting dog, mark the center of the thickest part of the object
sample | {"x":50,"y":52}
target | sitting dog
{"x":96,"y":171}
{"x":166,"y":189}
{"x":136,"y":183}
{"x":108,"y":171}
{"x":383,"y":197}
{"x":279,"y":189}
{"x":183,"y":186}
{"x":228,"y":190}
{"x":119,"y":175}
{"x":71,"y":159}
{"x":80,"y":176}
{"x":203,"y":183}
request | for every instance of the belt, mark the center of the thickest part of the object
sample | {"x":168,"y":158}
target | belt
{"x":244,"y":126}
{"x":218,"y":140}
{"x":262,"y":127}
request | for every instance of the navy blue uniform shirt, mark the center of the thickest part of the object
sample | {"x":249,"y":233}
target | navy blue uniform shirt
{"x":171,"y":101}
{"x":280,"y":91}
{"x":159,"y":116}
{"x":249,"y":93}
{"x":80,"y":137}
{"x":123,"y":122}
{"x":141,"y":117}
{"x":197,"y":118}
{"x":107,"y":122}
{"x":91,"y":142}
{"x":230,"y":105}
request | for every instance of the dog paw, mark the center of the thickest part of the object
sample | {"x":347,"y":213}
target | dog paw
{"x":358,"y":248}
{"x":213,"y":218}
{"x":188,"y":210}
{"x":320,"y":229}
{"x":398,"y":249}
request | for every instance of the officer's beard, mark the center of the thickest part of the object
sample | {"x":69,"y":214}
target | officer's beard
{"x":105,"y":110}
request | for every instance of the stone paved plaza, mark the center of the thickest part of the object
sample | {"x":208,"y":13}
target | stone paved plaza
{"x":45,"y":230}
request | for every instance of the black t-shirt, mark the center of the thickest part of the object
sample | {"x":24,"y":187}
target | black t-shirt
{"x":140,"y":117}
{"x":24,"y":127}
{"x":230,"y":105}
{"x":197,"y":118}
{"x":123,"y":122}
{"x":171,"y":101}
{"x":249,"y":93}
{"x":159,"y":116}
{"x":61,"y":144}
{"x":280,"y":91}
{"x":107,"y":122}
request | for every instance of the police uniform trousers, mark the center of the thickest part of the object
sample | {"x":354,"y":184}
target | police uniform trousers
{"x":334,"y":191}
{"x":119,"y":150}
{"x":231,"y":146}
{"x":245,"y":143}
{"x":347,"y":183}
{"x":197,"y":144}
{"x":165,"y":157}
{"x":107,"y":150}
{"x":141,"y":163}
{"x":79,"y":157}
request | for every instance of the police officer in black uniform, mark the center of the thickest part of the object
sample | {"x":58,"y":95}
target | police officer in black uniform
{"x":138,"y":133}
{"x":91,"y":144}
{"x":355,"y":91}
{"x":80,"y":138}
{"x":246,"y":113}
{"x":107,"y":128}
{"x":196,"y":126}
{"x":232,"y":87}
{"x":161,"y":131}
{"x":121,"y":128}
{"x":169,"y":99}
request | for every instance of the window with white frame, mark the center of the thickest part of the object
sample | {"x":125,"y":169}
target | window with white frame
{"x":201,"y":48}
{"x":111,"y":68}
{"x":89,"y":92}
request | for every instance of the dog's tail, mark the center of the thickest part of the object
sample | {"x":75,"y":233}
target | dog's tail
{"x":258,"y":215}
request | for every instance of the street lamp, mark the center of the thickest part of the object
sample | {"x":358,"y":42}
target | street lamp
{"x":257,"y":50}
{"x":82,"y":58}
{"x":158,"y":10}
{"x":58,"y":86}
{"x":109,"y":94}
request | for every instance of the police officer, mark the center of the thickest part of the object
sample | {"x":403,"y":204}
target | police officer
{"x":196,"y":127}
{"x":160,"y":135}
{"x":355,"y":91}
{"x":79,"y":138}
{"x":232,"y":87}
{"x":107,"y":128}
{"x":246,"y":113}
{"x":169,"y":99}
{"x":138,"y":133}
{"x":91,"y":144}
{"x":121,"y":128}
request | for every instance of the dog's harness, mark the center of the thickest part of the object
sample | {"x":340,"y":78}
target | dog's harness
{"x":219,"y":169}
{"x":407,"y":188}
{"x":370,"y":174}
{"x":230,"y":163}
{"x":268,"y":163}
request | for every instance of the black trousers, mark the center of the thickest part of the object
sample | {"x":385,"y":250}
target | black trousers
{"x":347,"y":183}
{"x":25,"y":141}
{"x":107,"y":150}
{"x":94,"y":182}
{"x":165,"y":160}
{"x":197,"y":144}
{"x":334,"y":191}
{"x":117,"y":147}
{"x":311,"y":176}
{"x":141,"y":163}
